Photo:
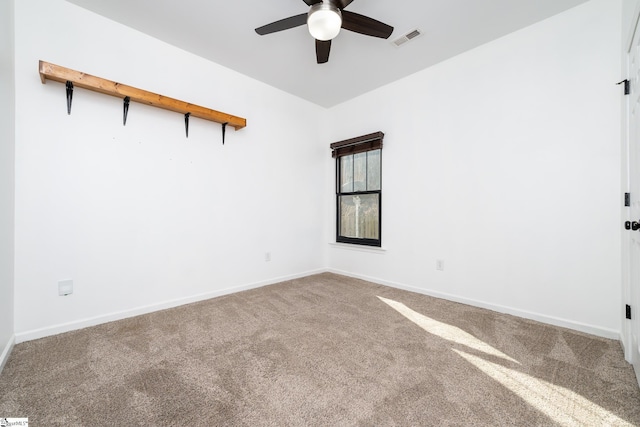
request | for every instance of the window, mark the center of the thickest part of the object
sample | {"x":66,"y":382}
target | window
{"x":359,"y":189}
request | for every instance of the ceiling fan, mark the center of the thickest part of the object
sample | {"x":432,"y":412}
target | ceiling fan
{"x":324,"y":19}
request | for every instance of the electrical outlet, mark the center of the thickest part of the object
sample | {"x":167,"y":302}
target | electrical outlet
{"x":267,"y":256}
{"x":440,"y":264}
{"x":65,"y":287}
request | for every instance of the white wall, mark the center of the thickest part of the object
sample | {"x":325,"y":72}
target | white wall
{"x":505,"y":163}
{"x":7,"y":147}
{"x":139,"y":217}
{"x":630,"y":10}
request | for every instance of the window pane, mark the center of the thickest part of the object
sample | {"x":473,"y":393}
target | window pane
{"x":359,"y":216}
{"x":373,"y":170}
{"x":360,"y":172}
{"x":346,"y":174}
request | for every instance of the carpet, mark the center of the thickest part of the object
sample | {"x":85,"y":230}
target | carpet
{"x":321,"y":350}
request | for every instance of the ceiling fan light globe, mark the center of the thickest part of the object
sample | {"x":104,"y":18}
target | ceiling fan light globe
{"x":324,"y":21}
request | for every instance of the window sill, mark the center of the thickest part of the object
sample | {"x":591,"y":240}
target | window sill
{"x":359,"y":248}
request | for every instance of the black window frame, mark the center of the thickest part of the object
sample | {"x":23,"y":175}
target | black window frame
{"x":361,"y":144}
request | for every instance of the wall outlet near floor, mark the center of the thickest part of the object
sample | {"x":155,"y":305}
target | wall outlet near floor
{"x":440,"y":264}
{"x":65,"y":287}
{"x":267,"y":256}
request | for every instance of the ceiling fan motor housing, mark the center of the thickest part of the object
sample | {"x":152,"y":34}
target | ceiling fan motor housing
{"x":324,"y":21}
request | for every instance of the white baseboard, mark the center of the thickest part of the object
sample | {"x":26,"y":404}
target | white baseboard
{"x":93,"y":321}
{"x":6,"y":352}
{"x":569,"y":324}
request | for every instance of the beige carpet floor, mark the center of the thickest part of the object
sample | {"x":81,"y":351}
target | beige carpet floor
{"x":322,"y":350}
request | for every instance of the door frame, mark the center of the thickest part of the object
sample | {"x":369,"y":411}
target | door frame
{"x":626,"y":333}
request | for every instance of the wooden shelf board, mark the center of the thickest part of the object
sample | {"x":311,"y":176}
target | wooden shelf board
{"x":60,"y":74}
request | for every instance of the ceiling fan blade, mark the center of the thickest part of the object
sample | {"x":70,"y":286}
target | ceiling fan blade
{"x":322,"y":51}
{"x":312,"y":2}
{"x":283,"y":24}
{"x":365,"y":25}
{"x":343,"y":3}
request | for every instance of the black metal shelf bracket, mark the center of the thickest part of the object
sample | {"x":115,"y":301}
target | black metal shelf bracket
{"x":69,"y":95}
{"x":224,"y":130}
{"x":186,"y":124}
{"x":125,"y":112}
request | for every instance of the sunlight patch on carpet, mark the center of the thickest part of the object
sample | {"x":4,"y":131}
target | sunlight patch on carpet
{"x":445,"y":331}
{"x":558,"y":403}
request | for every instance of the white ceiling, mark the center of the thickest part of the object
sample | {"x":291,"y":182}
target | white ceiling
{"x":223,"y":32}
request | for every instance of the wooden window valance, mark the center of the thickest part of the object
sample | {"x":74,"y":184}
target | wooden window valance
{"x":360,"y":144}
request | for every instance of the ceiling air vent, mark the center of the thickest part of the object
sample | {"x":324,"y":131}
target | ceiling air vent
{"x":407,"y":37}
